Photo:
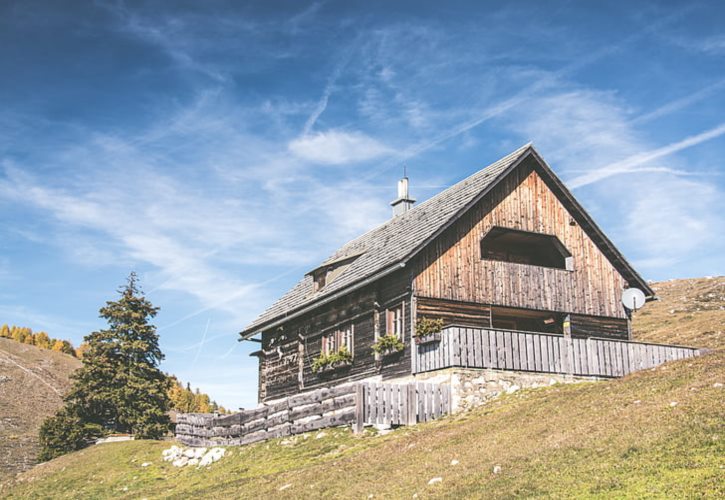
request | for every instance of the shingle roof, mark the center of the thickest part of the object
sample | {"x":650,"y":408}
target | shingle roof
{"x":391,"y":242}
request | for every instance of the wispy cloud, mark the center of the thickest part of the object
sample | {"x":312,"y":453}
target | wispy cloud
{"x":337,"y":147}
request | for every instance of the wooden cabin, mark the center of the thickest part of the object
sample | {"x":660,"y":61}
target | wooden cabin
{"x":509,"y":248}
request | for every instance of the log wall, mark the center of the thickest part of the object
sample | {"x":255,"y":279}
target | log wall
{"x":359,"y":404}
{"x":291,"y":349}
{"x":451,"y":266}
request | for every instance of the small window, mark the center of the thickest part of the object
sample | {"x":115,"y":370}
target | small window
{"x":394,"y":321}
{"x":336,"y":340}
{"x":524,"y":247}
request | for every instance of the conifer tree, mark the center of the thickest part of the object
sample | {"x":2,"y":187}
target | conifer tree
{"x":119,"y":387}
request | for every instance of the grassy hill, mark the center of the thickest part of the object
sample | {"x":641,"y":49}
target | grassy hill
{"x":657,"y":433}
{"x":32,"y":382}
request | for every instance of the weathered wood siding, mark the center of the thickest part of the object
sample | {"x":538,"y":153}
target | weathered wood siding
{"x":454,"y":313}
{"x":299,"y":341}
{"x":592,"y":326}
{"x":451,"y":266}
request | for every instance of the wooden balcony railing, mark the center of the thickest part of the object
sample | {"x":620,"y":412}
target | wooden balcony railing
{"x":541,"y":353}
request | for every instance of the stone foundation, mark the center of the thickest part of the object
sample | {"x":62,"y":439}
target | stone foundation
{"x":472,"y":387}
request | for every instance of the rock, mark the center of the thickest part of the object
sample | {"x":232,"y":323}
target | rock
{"x":145,"y":464}
{"x":717,"y":385}
{"x":286,"y":442}
{"x":180,"y":462}
{"x":435,"y":480}
{"x":192,"y":461}
{"x":320,"y":435}
{"x":497,"y":469}
{"x":284,"y":486}
{"x":673,"y":403}
{"x":637,"y":402}
{"x":454,"y":462}
{"x":512,"y":389}
{"x":212,"y":456}
{"x":189,"y":453}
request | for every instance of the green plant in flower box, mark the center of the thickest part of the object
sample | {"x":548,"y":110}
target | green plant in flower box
{"x":323,"y":362}
{"x":388,"y":344}
{"x":428,"y":326}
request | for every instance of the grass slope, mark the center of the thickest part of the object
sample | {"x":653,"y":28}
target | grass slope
{"x":657,"y":433}
{"x":32,"y":382}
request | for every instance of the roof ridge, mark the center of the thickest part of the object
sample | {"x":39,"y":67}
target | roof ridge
{"x":416,"y":209}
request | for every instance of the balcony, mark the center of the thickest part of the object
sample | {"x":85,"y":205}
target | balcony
{"x":463,"y":347}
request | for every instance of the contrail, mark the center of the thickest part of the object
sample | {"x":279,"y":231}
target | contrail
{"x":633,"y":161}
{"x":201,"y":344}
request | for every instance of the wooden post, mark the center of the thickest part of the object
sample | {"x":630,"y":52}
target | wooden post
{"x":359,"y":408}
{"x":568,"y":357}
{"x":412,"y":404}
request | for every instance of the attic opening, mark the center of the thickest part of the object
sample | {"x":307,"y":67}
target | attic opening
{"x":525,"y":247}
{"x":329,"y":271}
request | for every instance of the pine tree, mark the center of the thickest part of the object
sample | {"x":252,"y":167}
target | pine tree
{"x":119,"y":387}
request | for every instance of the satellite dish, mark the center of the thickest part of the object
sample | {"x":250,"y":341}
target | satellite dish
{"x":633,"y":298}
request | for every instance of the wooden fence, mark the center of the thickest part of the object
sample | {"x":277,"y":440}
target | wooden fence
{"x":542,"y":353}
{"x":357,"y":404}
{"x":403,"y":404}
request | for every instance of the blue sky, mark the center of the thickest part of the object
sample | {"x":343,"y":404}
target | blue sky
{"x":223,"y":149}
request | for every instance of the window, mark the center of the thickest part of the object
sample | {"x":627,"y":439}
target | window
{"x":524,"y":247}
{"x":395,"y":321}
{"x":336,"y":340}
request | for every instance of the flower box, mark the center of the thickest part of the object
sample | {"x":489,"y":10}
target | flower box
{"x":390,"y":352}
{"x":428,"y":338}
{"x":333,"y":367}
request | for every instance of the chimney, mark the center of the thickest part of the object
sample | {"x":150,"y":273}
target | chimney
{"x":404,"y":202}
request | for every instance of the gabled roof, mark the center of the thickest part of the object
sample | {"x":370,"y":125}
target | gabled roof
{"x":390,"y":245}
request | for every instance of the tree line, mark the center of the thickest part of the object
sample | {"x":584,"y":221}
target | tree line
{"x":42,"y":340}
{"x":183,"y":399}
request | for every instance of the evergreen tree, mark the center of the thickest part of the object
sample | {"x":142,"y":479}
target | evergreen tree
{"x":119,"y":387}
